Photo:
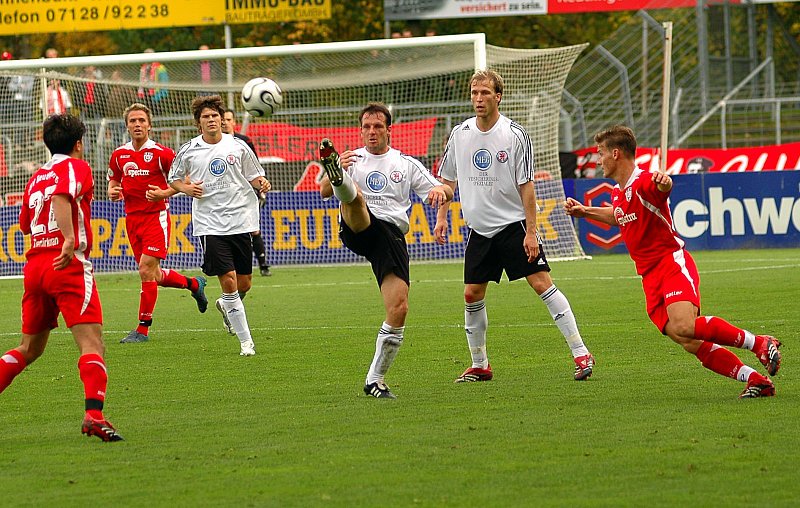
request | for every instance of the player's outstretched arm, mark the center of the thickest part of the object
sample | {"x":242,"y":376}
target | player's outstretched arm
{"x":662,"y":181}
{"x":604,"y":214}
{"x":440,"y":229}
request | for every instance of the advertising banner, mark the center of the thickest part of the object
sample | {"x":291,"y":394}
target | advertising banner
{"x":711,"y":211}
{"x":440,"y":9}
{"x":706,"y":160}
{"x":52,"y":16}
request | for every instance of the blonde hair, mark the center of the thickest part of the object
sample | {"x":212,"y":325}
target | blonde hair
{"x":137,"y":106}
{"x":488,"y":75}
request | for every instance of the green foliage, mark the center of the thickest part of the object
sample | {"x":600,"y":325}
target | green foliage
{"x":291,"y":427}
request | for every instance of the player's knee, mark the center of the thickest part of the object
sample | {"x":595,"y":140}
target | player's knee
{"x":398,"y":310}
{"x":472,"y":295}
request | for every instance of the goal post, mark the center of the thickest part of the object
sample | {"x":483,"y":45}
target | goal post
{"x":424,"y":81}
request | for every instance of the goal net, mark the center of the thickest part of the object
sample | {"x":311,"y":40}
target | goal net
{"x":424,"y":81}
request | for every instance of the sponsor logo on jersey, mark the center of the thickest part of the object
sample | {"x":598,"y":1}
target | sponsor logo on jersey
{"x":502,"y":156}
{"x":396,"y":176}
{"x":217,"y":167}
{"x":628,"y":194}
{"x":376,"y":181}
{"x":622,"y":218}
{"x":231,"y":159}
{"x":131,"y":169}
{"x":482,"y":159}
{"x":124,"y":156}
{"x":673,"y":293}
{"x":465,"y":128}
{"x":148,"y":156}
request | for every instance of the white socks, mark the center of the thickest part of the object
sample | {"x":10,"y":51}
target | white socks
{"x":475,"y":323}
{"x":347,"y":191}
{"x":561,"y":312}
{"x":234,"y":309}
{"x":390,"y":338}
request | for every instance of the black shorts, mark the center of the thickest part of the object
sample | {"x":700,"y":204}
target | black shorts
{"x":227,"y":253}
{"x":384,"y":246}
{"x":486,"y":258}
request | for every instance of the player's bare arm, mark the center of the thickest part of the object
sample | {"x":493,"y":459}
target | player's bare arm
{"x":662,"y":181}
{"x":115,"y":190}
{"x":191,"y":189}
{"x":156,"y":193}
{"x":604,"y":214}
{"x":261,"y":184}
{"x":440,"y":229}
{"x":528,"y":194}
{"x":62,"y":210}
{"x":439,"y":195}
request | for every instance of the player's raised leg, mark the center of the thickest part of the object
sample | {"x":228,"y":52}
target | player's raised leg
{"x":719,"y":331}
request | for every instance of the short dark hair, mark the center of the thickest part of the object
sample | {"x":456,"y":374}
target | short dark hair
{"x":373,"y":108}
{"x":231,"y":111}
{"x":62,"y":132}
{"x":207,"y":101}
{"x":619,"y":137}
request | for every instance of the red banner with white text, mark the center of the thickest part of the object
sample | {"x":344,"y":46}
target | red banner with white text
{"x":706,"y":160}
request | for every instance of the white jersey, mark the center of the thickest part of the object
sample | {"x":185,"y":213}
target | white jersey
{"x":228,"y":206}
{"x":489,"y":168}
{"x":387,"y":181}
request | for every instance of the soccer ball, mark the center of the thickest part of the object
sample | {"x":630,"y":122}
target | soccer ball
{"x":261,"y":97}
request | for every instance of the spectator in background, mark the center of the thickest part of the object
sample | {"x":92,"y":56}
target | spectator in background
{"x":90,"y":95}
{"x":151,"y":76}
{"x":51,"y":53}
{"x":259,"y":249}
{"x":120,"y":95}
{"x":208,"y":70}
{"x":18,"y":103}
{"x":58,"y":100}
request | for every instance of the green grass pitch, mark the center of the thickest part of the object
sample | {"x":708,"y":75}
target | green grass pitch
{"x":291,"y":426}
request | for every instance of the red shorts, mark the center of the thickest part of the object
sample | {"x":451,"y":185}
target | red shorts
{"x":149,"y":233}
{"x":674,"y":280}
{"x":72,"y":291}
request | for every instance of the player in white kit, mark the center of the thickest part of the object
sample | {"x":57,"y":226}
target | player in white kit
{"x":218,"y":171}
{"x":491,"y":158}
{"x":374,"y":185}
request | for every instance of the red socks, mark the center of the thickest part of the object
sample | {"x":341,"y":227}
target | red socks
{"x":173,"y":279}
{"x":718,"y":331}
{"x":93,"y":373}
{"x":11,"y":364}
{"x":718,"y":359}
{"x":147,"y":302}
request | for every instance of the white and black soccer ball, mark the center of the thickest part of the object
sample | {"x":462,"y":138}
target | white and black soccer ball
{"x":261,"y":97}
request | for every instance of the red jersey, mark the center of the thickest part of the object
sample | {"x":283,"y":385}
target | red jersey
{"x":61,"y":175}
{"x":136,"y":170}
{"x":644,"y":219}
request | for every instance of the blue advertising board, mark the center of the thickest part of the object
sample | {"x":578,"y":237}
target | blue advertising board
{"x":711,"y":211}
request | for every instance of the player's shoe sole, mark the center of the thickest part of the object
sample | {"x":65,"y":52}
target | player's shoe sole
{"x":200,"y":295}
{"x":100,"y":428}
{"x":474,"y":375}
{"x":134,"y":337}
{"x":584,"y":366}
{"x":770,"y":355}
{"x":760,"y":387}
{"x":379,"y":391}
{"x":225,"y":321}
{"x":330,"y":162}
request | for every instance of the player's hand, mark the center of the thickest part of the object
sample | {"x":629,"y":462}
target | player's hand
{"x":193,"y":189}
{"x":264,"y":185}
{"x":156,"y":193}
{"x":65,"y":257}
{"x":347,"y":158}
{"x":440,"y":232}
{"x":531,"y":247}
{"x":574,"y":208}
{"x":663,"y":181}
{"x":437,"y":196}
{"x":115,"y":193}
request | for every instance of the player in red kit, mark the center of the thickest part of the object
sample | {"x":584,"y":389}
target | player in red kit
{"x":137,"y":173}
{"x":56,"y":213}
{"x":639,"y":206}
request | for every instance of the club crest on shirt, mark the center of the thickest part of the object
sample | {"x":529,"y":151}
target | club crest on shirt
{"x":502,"y":156}
{"x":217,"y":167}
{"x":148,"y":156}
{"x":628,"y":194}
{"x":231,"y":159}
{"x":376,"y":181}
{"x":396,"y":176}
{"x":482,"y":159}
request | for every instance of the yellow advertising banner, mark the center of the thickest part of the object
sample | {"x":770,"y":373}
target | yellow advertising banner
{"x":48,"y":16}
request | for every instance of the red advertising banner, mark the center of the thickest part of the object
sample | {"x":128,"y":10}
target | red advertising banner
{"x":573,"y":6}
{"x":283,"y":142}
{"x":706,"y":160}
